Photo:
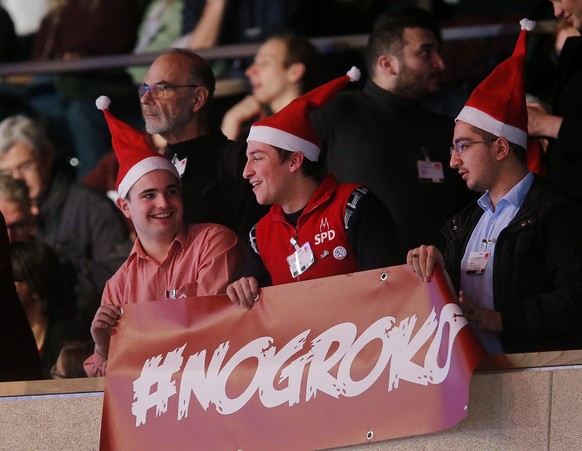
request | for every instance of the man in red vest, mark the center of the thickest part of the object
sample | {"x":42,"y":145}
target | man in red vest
{"x":316,"y":227}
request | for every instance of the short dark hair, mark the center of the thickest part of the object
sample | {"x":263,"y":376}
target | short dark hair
{"x":301,"y":50}
{"x":310,"y":169}
{"x":388,"y":29}
{"x":37,"y":264}
{"x":517,"y":150}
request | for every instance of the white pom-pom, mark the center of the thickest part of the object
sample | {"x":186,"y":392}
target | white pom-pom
{"x":102,"y":102}
{"x":527,"y":25}
{"x":354,"y":73}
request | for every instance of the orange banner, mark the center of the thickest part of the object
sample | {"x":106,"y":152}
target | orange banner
{"x":318,"y":364}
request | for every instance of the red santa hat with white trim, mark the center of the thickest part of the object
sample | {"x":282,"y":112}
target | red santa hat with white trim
{"x":133,"y":153}
{"x":498,"y":104}
{"x":291,"y":128}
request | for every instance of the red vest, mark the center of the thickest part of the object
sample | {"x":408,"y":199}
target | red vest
{"x":321,"y":223}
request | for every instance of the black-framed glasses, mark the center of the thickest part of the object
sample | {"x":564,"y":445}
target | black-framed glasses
{"x":159,"y":90}
{"x":461,"y":146}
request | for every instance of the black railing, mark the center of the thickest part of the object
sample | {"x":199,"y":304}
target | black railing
{"x":247,"y":50}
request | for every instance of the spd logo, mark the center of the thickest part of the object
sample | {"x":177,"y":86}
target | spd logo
{"x":325,"y":234}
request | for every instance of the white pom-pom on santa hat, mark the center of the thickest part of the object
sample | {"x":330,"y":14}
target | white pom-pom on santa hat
{"x":527,"y":25}
{"x":497,"y":105}
{"x":354,"y":74}
{"x":102,"y":102}
{"x":291,"y":127}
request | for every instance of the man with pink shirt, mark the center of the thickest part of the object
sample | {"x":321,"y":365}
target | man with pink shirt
{"x":169,"y":259}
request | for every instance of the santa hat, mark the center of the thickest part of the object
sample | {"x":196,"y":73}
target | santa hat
{"x":291,"y":128}
{"x":133,"y":153}
{"x":498,"y":104}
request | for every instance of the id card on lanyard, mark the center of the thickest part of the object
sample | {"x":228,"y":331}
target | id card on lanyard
{"x":429,"y":171}
{"x":300,"y":260}
{"x":477,"y":262}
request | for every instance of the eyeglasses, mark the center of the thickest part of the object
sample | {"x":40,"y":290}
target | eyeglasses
{"x":158,"y":90}
{"x":461,"y":146}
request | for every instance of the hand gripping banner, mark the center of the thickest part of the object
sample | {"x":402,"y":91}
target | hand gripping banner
{"x":318,"y":364}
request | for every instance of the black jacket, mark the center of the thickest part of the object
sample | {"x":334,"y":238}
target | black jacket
{"x":85,"y":230}
{"x":377,"y":138}
{"x":537,"y":279}
{"x":213,"y":187}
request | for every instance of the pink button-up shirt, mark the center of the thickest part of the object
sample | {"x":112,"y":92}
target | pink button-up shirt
{"x":202,"y":260}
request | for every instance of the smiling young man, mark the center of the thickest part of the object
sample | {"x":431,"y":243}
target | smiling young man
{"x":516,"y":254}
{"x":315,"y":227}
{"x":169,"y":259}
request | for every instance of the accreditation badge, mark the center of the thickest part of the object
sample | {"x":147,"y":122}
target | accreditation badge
{"x":430,"y":171}
{"x":300,"y":260}
{"x":477,"y":262}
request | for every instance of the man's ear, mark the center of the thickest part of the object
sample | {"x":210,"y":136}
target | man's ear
{"x":388,"y":64}
{"x":199,"y":98}
{"x":295,"y":161}
{"x":123,"y":205}
{"x":296,"y":72}
{"x":502,"y":148}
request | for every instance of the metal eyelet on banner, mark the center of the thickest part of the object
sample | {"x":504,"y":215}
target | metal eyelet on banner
{"x":370,"y":435}
{"x":384,"y":276}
